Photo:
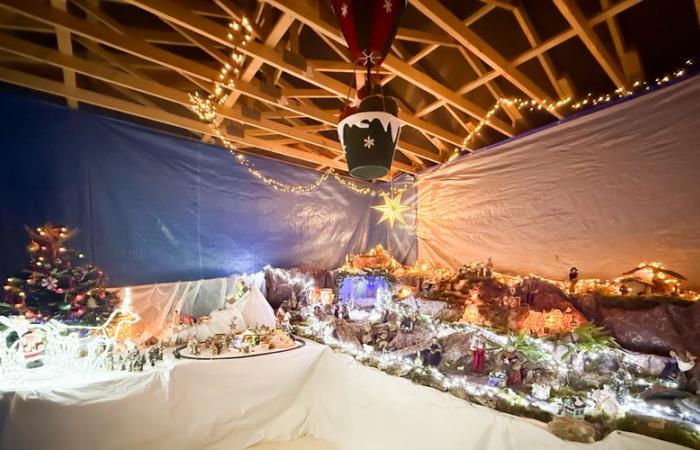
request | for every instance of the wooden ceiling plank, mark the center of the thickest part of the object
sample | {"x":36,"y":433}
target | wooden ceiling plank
{"x":310,"y":16}
{"x":200,"y":42}
{"x":478,"y":66}
{"x":481,"y":12}
{"x":629,"y":59}
{"x":550,"y":43}
{"x":98,"y":71}
{"x":503,"y":4}
{"x":65,"y":46}
{"x":126,"y":107}
{"x":585,"y":32}
{"x":444,"y":93}
{"x":533,"y":38}
{"x":275,"y":34}
{"x":440,"y":15}
{"x":191,"y":68}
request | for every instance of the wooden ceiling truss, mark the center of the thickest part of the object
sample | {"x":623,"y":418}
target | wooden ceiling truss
{"x":141,"y":71}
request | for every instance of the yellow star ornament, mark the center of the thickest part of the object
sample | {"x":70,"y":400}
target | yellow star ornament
{"x":392,"y":210}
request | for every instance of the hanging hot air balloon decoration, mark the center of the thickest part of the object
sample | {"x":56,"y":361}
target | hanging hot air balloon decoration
{"x":369,"y":133}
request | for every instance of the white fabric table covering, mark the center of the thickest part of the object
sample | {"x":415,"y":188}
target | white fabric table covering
{"x":233,"y":404}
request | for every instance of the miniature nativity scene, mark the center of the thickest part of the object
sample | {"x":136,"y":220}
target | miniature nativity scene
{"x":350,"y":224}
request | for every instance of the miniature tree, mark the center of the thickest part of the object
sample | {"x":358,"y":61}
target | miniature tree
{"x":54,"y":286}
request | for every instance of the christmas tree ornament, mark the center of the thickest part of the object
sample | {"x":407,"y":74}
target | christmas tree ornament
{"x":392,"y":210}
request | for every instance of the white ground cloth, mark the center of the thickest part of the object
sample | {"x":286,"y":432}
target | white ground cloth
{"x":233,"y":404}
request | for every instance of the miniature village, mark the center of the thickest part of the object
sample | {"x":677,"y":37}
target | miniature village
{"x":584,"y":356}
{"x":560,"y":352}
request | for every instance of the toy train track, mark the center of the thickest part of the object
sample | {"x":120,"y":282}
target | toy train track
{"x":181,"y":352}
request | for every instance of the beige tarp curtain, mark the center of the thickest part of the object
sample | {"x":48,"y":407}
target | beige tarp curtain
{"x":602,"y":192}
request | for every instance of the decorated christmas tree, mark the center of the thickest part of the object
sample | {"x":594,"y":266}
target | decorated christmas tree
{"x":56,"y":285}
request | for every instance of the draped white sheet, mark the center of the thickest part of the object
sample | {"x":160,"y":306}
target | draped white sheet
{"x":155,"y":303}
{"x":233,"y":404}
{"x":602,"y":192}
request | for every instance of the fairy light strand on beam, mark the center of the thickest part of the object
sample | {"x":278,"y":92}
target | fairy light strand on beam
{"x":590,"y":100}
{"x":240,"y":33}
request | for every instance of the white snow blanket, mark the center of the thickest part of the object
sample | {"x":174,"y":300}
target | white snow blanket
{"x":255,"y":309}
{"x":233,"y":404}
{"x":156,"y":303}
{"x":251,"y":311}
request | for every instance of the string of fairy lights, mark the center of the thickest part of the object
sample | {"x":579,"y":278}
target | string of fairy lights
{"x":589,"y":100}
{"x":241,"y":32}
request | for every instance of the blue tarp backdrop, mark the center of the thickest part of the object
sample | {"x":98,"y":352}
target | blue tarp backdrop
{"x":152,"y":207}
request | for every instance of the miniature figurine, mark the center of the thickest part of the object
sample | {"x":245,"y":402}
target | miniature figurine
{"x":283,"y":320}
{"x":428,"y":287}
{"x":407,"y":323}
{"x":488,"y":272}
{"x":513,"y":366}
{"x":188,"y":320}
{"x":540,"y":390}
{"x":318,"y":312}
{"x":497,"y":379}
{"x":152,"y":356}
{"x":109,"y":361}
{"x":478,"y":354}
{"x":573,"y":279}
{"x":620,"y":384}
{"x":434,"y":354}
{"x":233,"y":325}
{"x":606,"y":401}
{"x":677,"y":367}
{"x":383,"y":341}
{"x":192,"y":348}
{"x":344,"y":312}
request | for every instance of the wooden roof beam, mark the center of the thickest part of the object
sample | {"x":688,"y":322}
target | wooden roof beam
{"x":549,"y":44}
{"x":149,"y":87}
{"x":177,"y":63}
{"x":428,"y":49}
{"x":126,"y":107}
{"x":545,"y":61}
{"x":65,"y":46}
{"x":579,"y":23}
{"x":273,"y":37}
{"x":629,"y":59}
{"x":302,"y":11}
{"x":436,"y":12}
{"x":478,"y":66}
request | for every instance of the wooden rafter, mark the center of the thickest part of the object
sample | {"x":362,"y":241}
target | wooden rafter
{"x":436,"y":12}
{"x":579,"y":23}
{"x":428,"y":49}
{"x":305,"y":13}
{"x":275,"y":59}
{"x":629,"y":59}
{"x":478,"y":66}
{"x":134,"y":109}
{"x":125,"y":80}
{"x":102,"y":57}
{"x":545,"y":61}
{"x":65,"y":46}
{"x":534,"y":52}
